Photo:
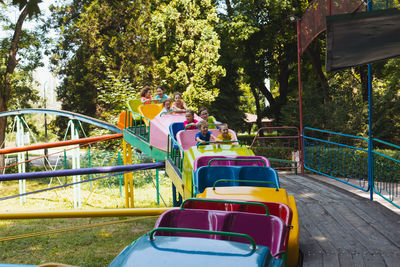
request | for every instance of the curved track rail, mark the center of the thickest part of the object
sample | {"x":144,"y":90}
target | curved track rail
{"x":68,"y":114}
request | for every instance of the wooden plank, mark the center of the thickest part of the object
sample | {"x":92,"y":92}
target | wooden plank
{"x":308,"y":245}
{"x":327,"y":189}
{"x":346,"y":259}
{"x":311,"y":223}
{"x":369,"y":228}
{"x":392,"y":260}
{"x":373,"y":260}
{"x":358,"y":260}
{"x":388,"y":226}
{"x":332,"y":231}
{"x":300,"y":191}
{"x":340,"y":213}
{"x":330,"y":260}
{"x":313,"y":260}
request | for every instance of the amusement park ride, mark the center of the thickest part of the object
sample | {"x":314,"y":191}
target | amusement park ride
{"x":232,"y":209}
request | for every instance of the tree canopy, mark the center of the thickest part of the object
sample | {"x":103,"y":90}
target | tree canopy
{"x":219,"y":54}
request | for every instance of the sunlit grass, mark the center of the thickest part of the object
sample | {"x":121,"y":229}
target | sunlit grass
{"x":96,"y":246}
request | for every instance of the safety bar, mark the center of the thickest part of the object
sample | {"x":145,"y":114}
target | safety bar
{"x":167,"y":112}
{"x":218,"y":142}
{"x":228,"y":159}
{"x":198,"y":231}
{"x":227,"y":201}
{"x":244,"y":181}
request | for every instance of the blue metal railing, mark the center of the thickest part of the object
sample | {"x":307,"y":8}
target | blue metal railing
{"x":387,"y":171}
{"x":343,"y":162}
{"x":345,"y":158}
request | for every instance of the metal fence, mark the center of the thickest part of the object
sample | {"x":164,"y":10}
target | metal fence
{"x":387,"y":171}
{"x":345,"y":158}
{"x":281,"y":145}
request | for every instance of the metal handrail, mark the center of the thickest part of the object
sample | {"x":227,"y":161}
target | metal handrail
{"x":198,"y":231}
{"x":244,"y":181}
{"x":227,"y":201}
{"x":218,"y":142}
{"x":228,"y":159}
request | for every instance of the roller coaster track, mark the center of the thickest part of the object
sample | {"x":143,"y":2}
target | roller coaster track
{"x":68,"y":114}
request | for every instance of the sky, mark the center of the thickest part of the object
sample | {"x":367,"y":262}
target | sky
{"x":43,"y":75}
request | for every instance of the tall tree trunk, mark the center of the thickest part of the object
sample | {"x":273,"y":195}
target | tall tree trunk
{"x":258,"y":109}
{"x":228,"y":7}
{"x":283,"y":80}
{"x":314,"y":53}
{"x":5,"y":87}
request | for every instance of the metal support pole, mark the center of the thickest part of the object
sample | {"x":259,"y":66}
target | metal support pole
{"x":301,"y":152}
{"x":120,"y":176}
{"x":127,"y":153}
{"x":76,"y":165}
{"x":174,"y":200}
{"x":370,"y":144}
{"x":158,"y":187}
{"x":90,"y":165}
{"x":19,"y":139}
{"x":46,"y":158}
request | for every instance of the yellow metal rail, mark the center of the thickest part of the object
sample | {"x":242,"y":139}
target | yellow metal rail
{"x":82,"y":213}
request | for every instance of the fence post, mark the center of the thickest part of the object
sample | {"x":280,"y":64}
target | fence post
{"x":370,"y":145}
{"x":158,"y":187}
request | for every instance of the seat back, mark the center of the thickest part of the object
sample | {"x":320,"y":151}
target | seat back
{"x":193,"y":219}
{"x":125,"y":120}
{"x":149,"y":111}
{"x":237,"y":161}
{"x":253,"y":173}
{"x":206,"y":176}
{"x":186,"y":138}
{"x":174,"y":128}
{"x":269,"y":231}
{"x":133,"y":104}
{"x":275,"y":208}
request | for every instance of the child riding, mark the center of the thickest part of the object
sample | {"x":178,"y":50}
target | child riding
{"x":204,"y":135}
{"x":225,"y":135}
{"x":190,"y":122}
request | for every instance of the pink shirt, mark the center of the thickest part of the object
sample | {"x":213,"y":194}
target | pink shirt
{"x":144,"y":100}
{"x":193,"y":127}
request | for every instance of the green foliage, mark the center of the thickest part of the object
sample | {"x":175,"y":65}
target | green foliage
{"x":185,"y":44}
{"x":102,"y":55}
{"x":31,"y":42}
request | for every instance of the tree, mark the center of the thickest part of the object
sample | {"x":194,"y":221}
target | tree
{"x":25,"y":42}
{"x":186,"y":46}
{"x":263,"y":40}
{"x":103,"y":48}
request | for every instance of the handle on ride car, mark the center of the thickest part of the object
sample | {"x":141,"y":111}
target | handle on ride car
{"x":198,"y":231}
{"x":244,"y":181}
{"x":228,"y":159}
{"x":226,"y":201}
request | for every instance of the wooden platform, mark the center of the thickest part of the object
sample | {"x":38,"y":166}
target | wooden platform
{"x":340,"y":228}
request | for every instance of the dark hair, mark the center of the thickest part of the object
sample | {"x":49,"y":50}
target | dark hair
{"x":177,"y":93}
{"x":159,"y":87}
{"x":202,"y":123}
{"x":202,"y":109}
{"x":224,"y":125}
{"x":144,"y":91}
{"x":190,"y":111}
{"x":166,"y":100}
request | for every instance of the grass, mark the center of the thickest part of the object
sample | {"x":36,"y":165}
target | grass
{"x":96,"y":246}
